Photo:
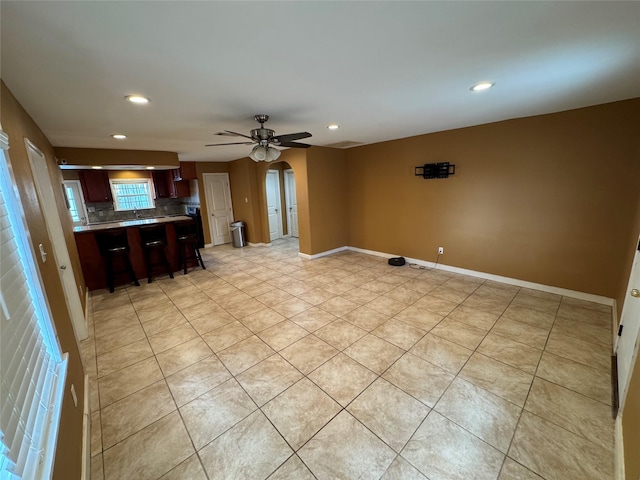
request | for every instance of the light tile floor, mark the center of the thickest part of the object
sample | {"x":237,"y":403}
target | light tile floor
{"x":266,"y":365}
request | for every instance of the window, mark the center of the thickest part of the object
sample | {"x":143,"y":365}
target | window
{"x":132,"y":194}
{"x":32,"y":368}
{"x":73,"y":206}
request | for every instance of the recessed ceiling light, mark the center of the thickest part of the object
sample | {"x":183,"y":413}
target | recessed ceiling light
{"x":119,"y":136}
{"x":333,"y":126}
{"x":139,"y":99}
{"x":150,"y":168}
{"x":97,"y":167}
{"x":478,"y":87}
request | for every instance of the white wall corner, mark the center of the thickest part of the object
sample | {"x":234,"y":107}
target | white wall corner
{"x":86,"y":432}
{"x":614,"y":325}
{"x":619,"y":473}
{"x":322,"y":254}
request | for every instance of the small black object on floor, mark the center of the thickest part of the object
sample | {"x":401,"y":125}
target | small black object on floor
{"x":397,"y":261}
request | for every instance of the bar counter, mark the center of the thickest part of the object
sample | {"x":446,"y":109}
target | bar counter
{"x":93,"y":265}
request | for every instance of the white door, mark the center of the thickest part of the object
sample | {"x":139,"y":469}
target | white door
{"x":44,"y":187}
{"x":218,"y":198}
{"x":274,"y":208}
{"x":75,"y":202}
{"x":627,"y":348}
{"x":292,"y":202}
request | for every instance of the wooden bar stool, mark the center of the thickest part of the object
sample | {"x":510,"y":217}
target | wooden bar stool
{"x":188,"y":251}
{"x":154,"y":240}
{"x":114,"y":246}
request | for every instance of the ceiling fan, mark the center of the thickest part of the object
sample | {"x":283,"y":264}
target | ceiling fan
{"x":265,"y":140}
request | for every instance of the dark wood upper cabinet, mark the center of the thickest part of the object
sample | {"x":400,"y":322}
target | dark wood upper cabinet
{"x":95,"y":186}
{"x":167,"y":186}
{"x":162,"y":180}
{"x":188,"y":171}
{"x":182,"y":188}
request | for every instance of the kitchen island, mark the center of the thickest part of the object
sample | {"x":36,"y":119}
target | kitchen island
{"x":93,"y":265}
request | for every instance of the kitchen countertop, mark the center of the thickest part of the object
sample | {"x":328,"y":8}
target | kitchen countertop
{"x":129,"y":223}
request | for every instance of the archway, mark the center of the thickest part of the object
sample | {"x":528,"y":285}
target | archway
{"x":281,"y":202}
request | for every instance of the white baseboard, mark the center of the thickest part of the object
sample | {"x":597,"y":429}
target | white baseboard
{"x":208,"y":245}
{"x":86,"y":432}
{"x":618,"y":466}
{"x":86,"y":304}
{"x":487,"y":276}
{"x":323,"y":254}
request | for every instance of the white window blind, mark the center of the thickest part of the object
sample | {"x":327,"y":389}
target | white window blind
{"x":32,"y":369}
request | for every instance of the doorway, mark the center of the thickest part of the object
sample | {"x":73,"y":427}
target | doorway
{"x":291,"y":202}
{"x":75,"y":202}
{"x":274,"y":204}
{"x":629,"y":331}
{"x":217,"y":193}
{"x":46,"y":196}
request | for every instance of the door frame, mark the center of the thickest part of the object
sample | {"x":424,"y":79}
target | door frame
{"x":78,"y":185}
{"x":208,"y":201}
{"x":633,"y":282}
{"x":44,"y":188}
{"x":289,"y":176}
{"x":278,"y":194}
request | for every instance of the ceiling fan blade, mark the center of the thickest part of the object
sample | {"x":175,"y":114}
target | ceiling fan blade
{"x":294,"y":145}
{"x":234,"y":143}
{"x":229,"y":133}
{"x":289,"y":137}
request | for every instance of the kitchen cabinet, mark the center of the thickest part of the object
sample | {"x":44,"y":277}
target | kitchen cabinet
{"x":167,"y":186}
{"x":188,"y":171}
{"x":95,"y":186}
{"x":163,"y":183}
{"x":182,"y":188}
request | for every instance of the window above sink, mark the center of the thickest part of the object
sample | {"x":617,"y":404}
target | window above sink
{"x":132,"y":194}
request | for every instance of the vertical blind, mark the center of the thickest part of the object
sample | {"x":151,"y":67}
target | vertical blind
{"x":32,"y":368}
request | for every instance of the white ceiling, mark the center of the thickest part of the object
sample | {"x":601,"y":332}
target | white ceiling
{"x":382,"y":70}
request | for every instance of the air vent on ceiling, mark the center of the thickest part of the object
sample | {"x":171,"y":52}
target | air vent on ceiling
{"x":345,"y":144}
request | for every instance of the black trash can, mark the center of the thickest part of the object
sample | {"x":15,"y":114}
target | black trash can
{"x":237,"y":234}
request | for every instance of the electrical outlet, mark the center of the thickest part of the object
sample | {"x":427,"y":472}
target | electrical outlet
{"x":440,"y":250}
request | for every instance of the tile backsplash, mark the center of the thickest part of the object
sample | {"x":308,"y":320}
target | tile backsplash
{"x":104,"y":212}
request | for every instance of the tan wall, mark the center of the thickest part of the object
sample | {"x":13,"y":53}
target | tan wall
{"x":242,"y":175}
{"x":18,"y":125}
{"x":70,"y":174}
{"x":106,"y":156}
{"x":128,"y":174}
{"x":546,"y":199}
{"x":208,"y":167}
{"x":73,"y":174}
{"x":328,"y":198}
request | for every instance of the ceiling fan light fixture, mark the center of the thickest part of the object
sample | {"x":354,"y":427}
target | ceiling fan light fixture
{"x":273,"y":154}
{"x":333,"y":126}
{"x":119,"y":136}
{"x":479,"y":87}
{"x":258,"y":154}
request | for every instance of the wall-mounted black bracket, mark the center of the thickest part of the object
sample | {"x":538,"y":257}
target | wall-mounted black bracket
{"x":435,"y":170}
